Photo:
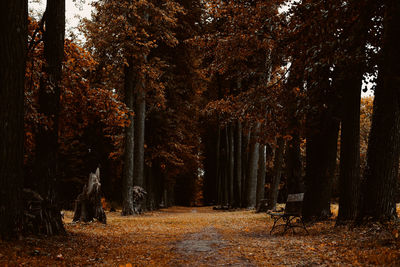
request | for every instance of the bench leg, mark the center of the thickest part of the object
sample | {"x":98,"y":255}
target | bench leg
{"x":288,"y":224}
{"x":273,"y":226}
{"x":304,"y":226}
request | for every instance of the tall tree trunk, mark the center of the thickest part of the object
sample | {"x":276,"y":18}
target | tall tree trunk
{"x":251,"y":181}
{"x":219,"y":167}
{"x":225,"y":169}
{"x":231,"y":163}
{"x":349,"y":179}
{"x":381,"y":174}
{"x":350,"y":84}
{"x":245,"y":161}
{"x":261,"y":175}
{"x":294,"y":166}
{"x":276,"y":177}
{"x":237,"y":185}
{"x":209,"y":139}
{"x":127,"y":196}
{"x":46,"y":162}
{"x":13,"y":45}
{"x":138,"y":171}
{"x":322,"y":135}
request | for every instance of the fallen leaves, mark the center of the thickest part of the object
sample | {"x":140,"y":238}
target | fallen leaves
{"x":201,"y":237}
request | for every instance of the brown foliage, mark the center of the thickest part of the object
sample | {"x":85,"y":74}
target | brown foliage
{"x":236,"y":237}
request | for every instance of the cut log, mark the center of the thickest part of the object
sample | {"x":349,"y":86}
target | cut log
{"x":88,"y":203}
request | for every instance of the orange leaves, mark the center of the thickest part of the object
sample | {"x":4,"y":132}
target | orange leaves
{"x":126,"y":28}
{"x":189,"y":236}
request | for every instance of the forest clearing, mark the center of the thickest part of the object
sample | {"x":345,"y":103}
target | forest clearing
{"x":201,"y":236}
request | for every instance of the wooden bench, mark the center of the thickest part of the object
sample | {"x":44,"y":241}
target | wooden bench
{"x":290,"y":215}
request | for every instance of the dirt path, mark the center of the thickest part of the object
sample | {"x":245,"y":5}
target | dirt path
{"x":204,"y":248}
{"x":181,"y":236}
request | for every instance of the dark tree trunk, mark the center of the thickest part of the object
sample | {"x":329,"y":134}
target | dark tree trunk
{"x":349,"y":179}
{"x":138,"y":172}
{"x":210,"y":164}
{"x":261,"y":175}
{"x":322,"y":135}
{"x":13,"y":44}
{"x":276,"y":177}
{"x":294,"y":166}
{"x":251,"y":181}
{"x":219,"y":167}
{"x":46,"y":162}
{"x":237,"y":185}
{"x":127,"y":180}
{"x":245,"y":162}
{"x":350,"y":83}
{"x":225,"y":169}
{"x":231,"y":163}
{"x":381,"y":174}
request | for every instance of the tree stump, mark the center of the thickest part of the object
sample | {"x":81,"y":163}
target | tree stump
{"x":139,"y":195}
{"x":88,"y":203}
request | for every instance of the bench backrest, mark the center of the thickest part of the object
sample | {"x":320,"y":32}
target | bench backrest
{"x":294,"y":203}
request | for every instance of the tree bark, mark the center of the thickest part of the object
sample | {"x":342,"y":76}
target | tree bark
{"x":225,"y":169}
{"x":294,"y":166}
{"x":231,"y":163}
{"x":138,"y":172}
{"x":251,"y":182}
{"x":380,"y":177}
{"x":13,"y":45}
{"x":245,"y":161}
{"x":349,"y":178}
{"x":209,"y":139}
{"x":237,"y":185}
{"x":276,"y":178}
{"x":322,"y":134}
{"x":46,"y":162}
{"x":350,"y":83}
{"x":219,"y":167}
{"x":261,"y":175}
{"x":139,"y":135}
{"x":127,"y":196}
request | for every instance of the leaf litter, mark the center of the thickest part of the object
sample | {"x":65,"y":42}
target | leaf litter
{"x":183,"y":236}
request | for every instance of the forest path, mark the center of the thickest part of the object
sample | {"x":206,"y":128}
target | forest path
{"x":206,"y":248}
{"x":183,"y":236}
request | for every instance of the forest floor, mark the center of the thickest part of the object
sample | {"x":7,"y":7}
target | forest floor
{"x":182,"y":236}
